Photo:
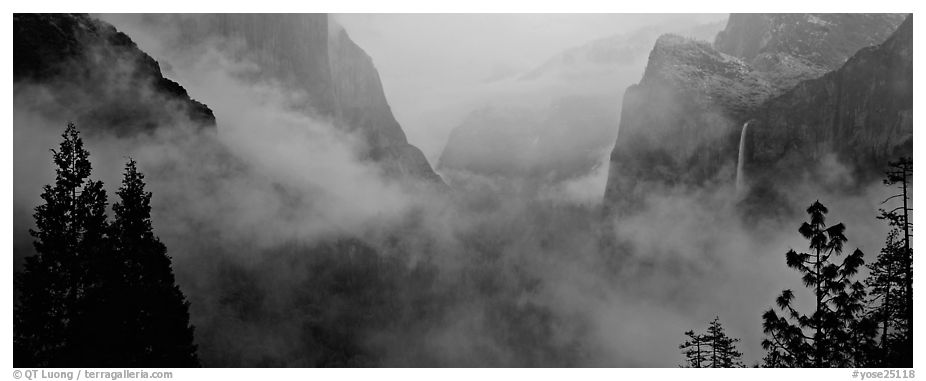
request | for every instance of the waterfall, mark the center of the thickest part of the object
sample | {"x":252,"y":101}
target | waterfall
{"x":739,"y":160}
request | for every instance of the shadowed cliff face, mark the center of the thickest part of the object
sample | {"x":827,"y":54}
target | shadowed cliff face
{"x":790,"y":48}
{"x":330,"y":76}
{"x":682,"y":123}
{"x":293,"y":253}
{"x":678,"y":124}
{"x":862,"y":114}
{"x":290,"y":49}
{"x":362,"y":107}
{"x":72,"y":60}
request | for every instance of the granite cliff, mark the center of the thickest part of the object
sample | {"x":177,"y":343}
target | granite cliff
{"x":562,"y":123}
{"x":314,"y":57}
{"x":861,"y":113}
{"x":682,"y":124}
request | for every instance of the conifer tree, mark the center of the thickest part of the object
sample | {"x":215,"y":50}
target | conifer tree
{"x":834,"y":334}
{"x":51,"y":318}
{"x":901,"y":171}
{"x":98,"y":294}
{"x":158,"y":320}
{"x":713,"y":349}
{"x":723,"y":348}
{"x":695,"y":350}
{"x":890,"y":277}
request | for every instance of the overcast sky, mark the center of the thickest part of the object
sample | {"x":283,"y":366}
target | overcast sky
{"x":429,"y":63}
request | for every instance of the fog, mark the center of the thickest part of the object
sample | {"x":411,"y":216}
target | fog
{"x":436,"y":68}
{"x":263,"y":216}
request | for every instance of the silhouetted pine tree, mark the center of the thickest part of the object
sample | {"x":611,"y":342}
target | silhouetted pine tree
{"x":695,"y":350}
{"x":835,"y":334}
{"x":890,"y":277}
{"x":51,"y":318}
{"x":157,"y":323}
{"x":723,"y":348}
{"x":888,"y":300}
{"x":96,"y":294}
{"x":711,"y":350}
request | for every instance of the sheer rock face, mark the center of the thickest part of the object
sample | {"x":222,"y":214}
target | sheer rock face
{"x":862,"y":113}
{"x":790,"y":48}
{"x":290,"y":49}
{"x":682,"y":123}
{"x":73,"y":67}
{"x":313,"y":56}
{"x":361,"y":106}
{"x":106,"y":80}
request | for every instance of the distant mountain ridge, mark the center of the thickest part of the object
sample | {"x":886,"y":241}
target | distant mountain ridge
{"x":105,"y":82}
{"x":790,"y":48}
{"x":97,"y":76}
{"x":615,"y":51}
{"x":312,"y":55}
{"x":565,"y":121}
{"x":862,"y":113}
{"x":682,"y":123}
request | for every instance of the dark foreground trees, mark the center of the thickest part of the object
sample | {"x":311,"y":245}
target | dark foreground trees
{"x":891,"y":275}
{"x":888,"y":303}
{"x":835,"y":333}
{"x":713,"y":349}
{"x":98,"y":294}
{"x":52,"y":313}
{"x":156,"y":325}
{"x":850,"y":325}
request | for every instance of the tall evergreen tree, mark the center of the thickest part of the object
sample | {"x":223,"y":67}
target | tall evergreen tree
{"x":890,"y":277}
{"x":723,"y":348}
{"x":51,"y":317}
{"x":836,"y":333}
{"x":713,"y":349}
{"x":98,"y":294}
{"x":695,"y":350}
{"x":158,"y":322}
{"x":886,"y":279}
{"x":901,"y":171}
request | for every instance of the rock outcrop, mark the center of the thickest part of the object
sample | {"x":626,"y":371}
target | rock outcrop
{"x":74,"y":67}
{"x":361,"y":107}
{"x":789,"y":48}
{"x":290,"y":49}
{"x":315,"y":58}
{"x":682,"y":123}
{"x":861,"y":113}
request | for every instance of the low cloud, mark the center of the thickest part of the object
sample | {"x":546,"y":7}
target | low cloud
{"x":261,"y":216}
